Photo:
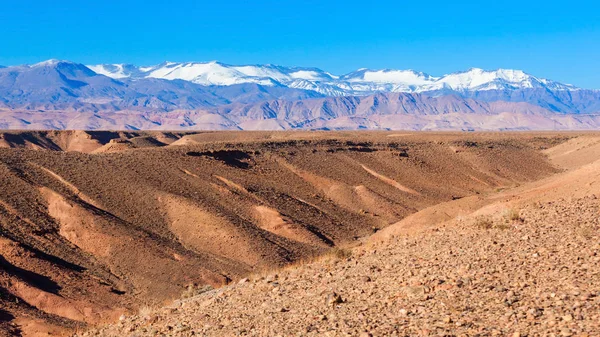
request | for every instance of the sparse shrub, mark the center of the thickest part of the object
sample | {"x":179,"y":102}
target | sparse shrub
{"x":484,"y":222}
{"x":499,"y":222}
{"x":145,"y":311}
{"x":470,"y":144}
{"x":502,"y":226}
{"x":513,"y":215}
{"x":195,"y":290}
{"x":341,"y":253}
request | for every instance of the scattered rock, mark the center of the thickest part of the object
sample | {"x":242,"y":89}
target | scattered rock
{"x":452,"y":282}
{"x":334,"y":299}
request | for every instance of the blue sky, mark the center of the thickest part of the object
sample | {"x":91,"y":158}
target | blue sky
{"x":557,"y":40}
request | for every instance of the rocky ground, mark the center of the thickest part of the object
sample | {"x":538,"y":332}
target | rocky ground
{"x":94,"y":225}
{"x":530,"y":271}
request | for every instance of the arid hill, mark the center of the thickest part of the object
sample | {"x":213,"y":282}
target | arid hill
{"x":96,"y":225}
{"x":518,"y":262}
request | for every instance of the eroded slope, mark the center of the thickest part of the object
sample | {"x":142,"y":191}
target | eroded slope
{"x":105,"y":233}
{"x":517,"y":262}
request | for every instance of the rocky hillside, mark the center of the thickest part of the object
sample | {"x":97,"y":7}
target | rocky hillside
{"x":533,"y":273}
{"x":516,"y":262}
{"x":97,"y":225}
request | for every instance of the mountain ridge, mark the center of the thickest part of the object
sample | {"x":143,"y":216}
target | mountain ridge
{"x":359,"y":82}
{"x":384,"y":111}
{"x":59,"y":94}
{"x":64,"y":85}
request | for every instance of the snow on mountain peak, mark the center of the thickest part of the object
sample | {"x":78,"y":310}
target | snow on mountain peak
{"x":202,"y":73}
{"x":390,"y":76}
{"x":360,"y":82}
{"x":479,"y":79}
{"x":50,"y":62}
{"x":111,"y":70}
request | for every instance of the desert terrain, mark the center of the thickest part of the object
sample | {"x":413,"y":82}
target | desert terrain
{"x":299,"y":233}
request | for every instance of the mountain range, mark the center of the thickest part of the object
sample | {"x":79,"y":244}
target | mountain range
{"x":62,"y":94}
{"x":360,"y":82}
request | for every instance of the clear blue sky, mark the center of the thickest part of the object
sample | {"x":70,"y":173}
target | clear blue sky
{"x":557,"y":40}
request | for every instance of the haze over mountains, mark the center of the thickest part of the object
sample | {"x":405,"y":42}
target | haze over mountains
{"x":66,"y":95}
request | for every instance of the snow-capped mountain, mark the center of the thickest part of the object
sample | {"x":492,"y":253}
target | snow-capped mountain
{"x":118,"y":71}
{"x":65,"y":85}
{"x":64,"y":94}
{"x":216,"y":73}
{"x":359,"y":82}
{"x":476,"y":79}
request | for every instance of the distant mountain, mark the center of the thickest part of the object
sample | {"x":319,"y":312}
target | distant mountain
{"x":476,"y":79}
{"x":64,"y":85}
{"x":389,"y":111}
{"x":213,"y":95}
{"x":215,"y":73}
{"x":320,"y":112}
{"x":118,"y":71}
{"x":498,"y":85}
{"x":360,"y":82}
{"x":56,"y":84}
{"x":582,"y":101}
